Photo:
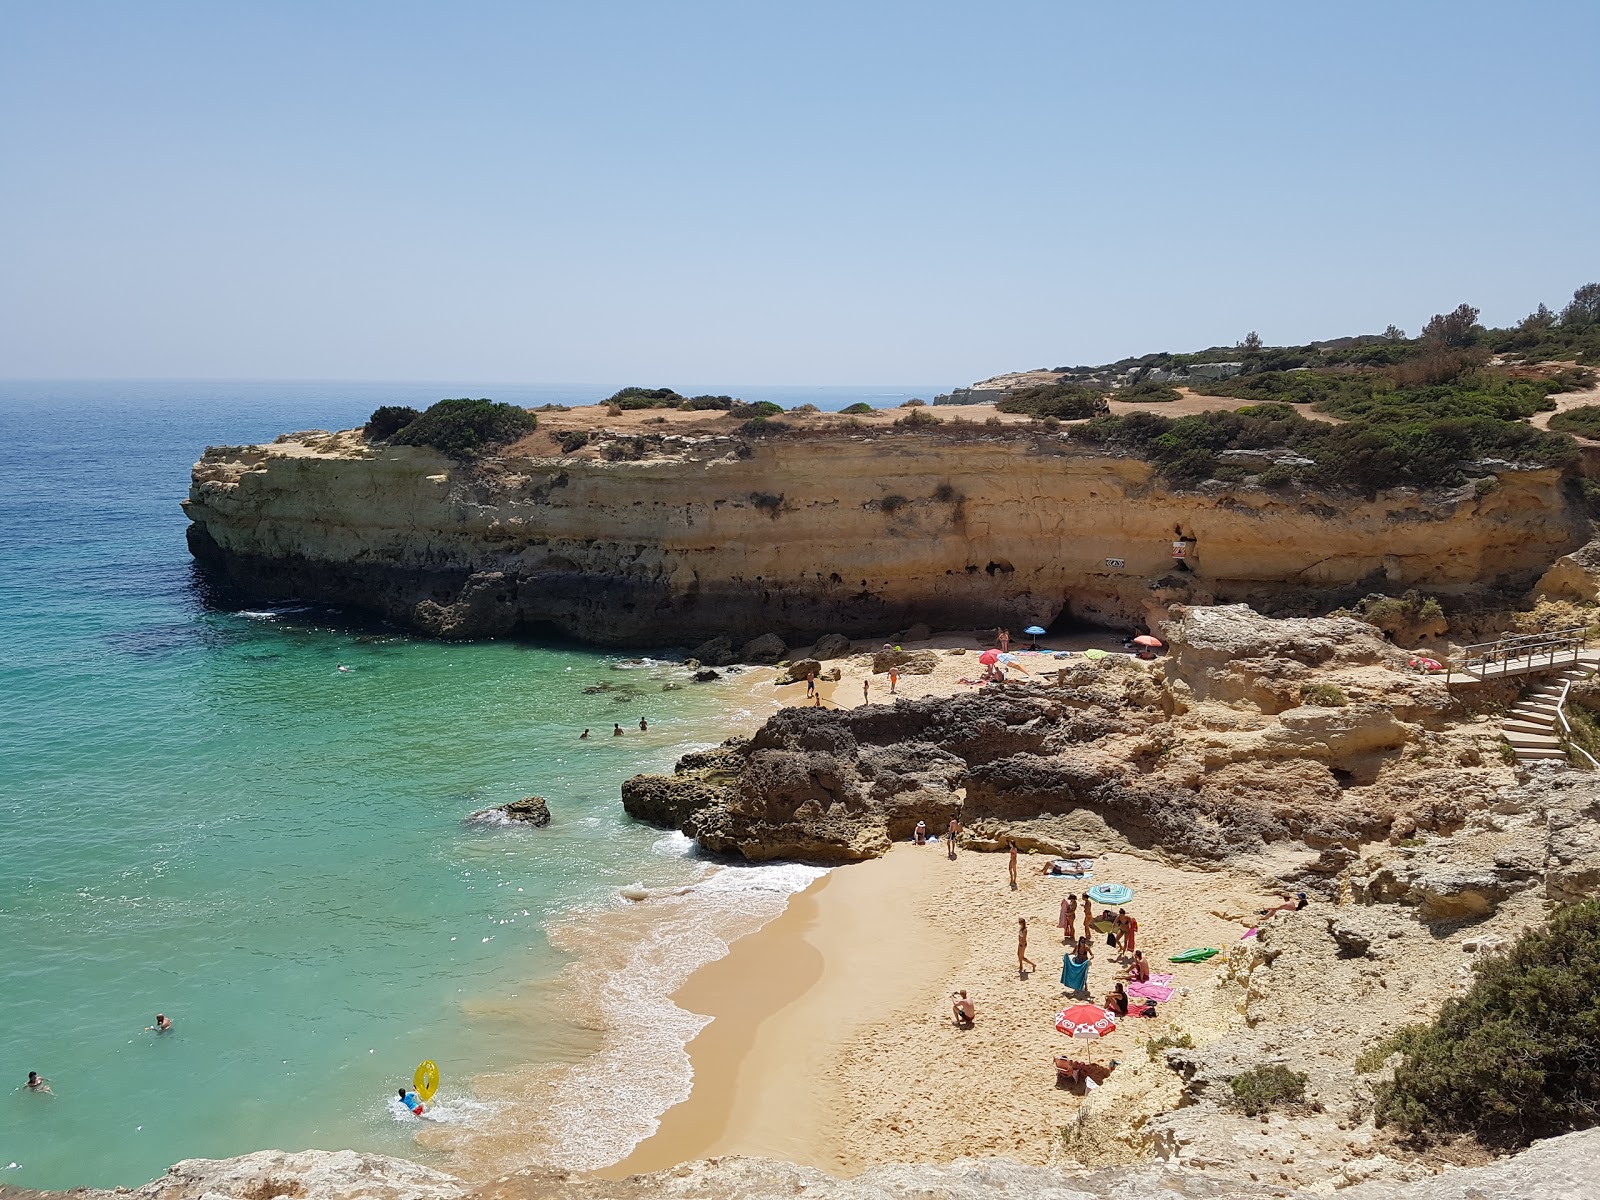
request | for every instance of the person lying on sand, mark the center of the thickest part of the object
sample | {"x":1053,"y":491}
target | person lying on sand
{"x":962,"y":1010}
{"x":1290,"y":904}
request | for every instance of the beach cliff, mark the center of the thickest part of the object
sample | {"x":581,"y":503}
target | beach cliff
{"x":698,"y":528}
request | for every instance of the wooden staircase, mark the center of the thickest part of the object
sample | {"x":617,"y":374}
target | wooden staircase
{"x":1534,"y":726}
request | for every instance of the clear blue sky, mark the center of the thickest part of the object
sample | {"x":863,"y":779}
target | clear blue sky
{"x":783,"y":193}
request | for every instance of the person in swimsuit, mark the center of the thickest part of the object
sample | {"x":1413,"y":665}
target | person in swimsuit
{"x":1138,"y":969}
{"x":961,"y":1009}
{"x":38,"y":1083}
{"x":920,"y":836}
{"x":1011,"y":866}
{"x":583,"y":735}
{"x":163,"y":1024}
{"x":1068,"y":919}
{"x":644,"y":726}
{"x":1117,"y":1001}
{"x":409,"y":1099}
{"x":950,"y":836}
{"x":1022,"y":948}
{"x":616,"y":730}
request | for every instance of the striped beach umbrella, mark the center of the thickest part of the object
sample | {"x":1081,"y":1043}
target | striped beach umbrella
{"x":1085,"y":1021}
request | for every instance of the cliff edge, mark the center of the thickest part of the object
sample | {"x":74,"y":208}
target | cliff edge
{"x":855,"y":527}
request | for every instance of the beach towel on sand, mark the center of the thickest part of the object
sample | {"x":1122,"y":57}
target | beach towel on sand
{"x":1151,"y":991}
{"x":1074,"y":975}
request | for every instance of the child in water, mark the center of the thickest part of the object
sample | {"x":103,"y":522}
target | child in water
{"x":409,"y":1099}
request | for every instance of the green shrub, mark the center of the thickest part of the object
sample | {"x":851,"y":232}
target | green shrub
{"x":465,"y":428}
{"x":856,"y":409}
{"x":1064,"y":401}
{"x":1323,"y":695}
{"x":1147,"y":393}
{"x":1514,"y":1058}
{"x":917,"y":419}
{"x":388,"y":420}
{"x":638,"y":397}
{"x":763,"y":426}
{"x":1267,"y":1086}
{"x":708,"y":403}
{"x":1156,"y":1047}
{"x":573,"y":439}
{"x":761,"y":408}
{"x":625,"y":449}
{"x":1276,"y":476}
{"x":1584,"y":420}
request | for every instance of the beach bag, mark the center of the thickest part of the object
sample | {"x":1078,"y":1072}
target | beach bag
{"x":1111,"y":939}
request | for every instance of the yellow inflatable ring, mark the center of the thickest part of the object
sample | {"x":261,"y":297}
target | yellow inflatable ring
{"x":426,"y":1080}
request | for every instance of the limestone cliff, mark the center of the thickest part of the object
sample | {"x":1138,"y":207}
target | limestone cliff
{"x":829,"y":529}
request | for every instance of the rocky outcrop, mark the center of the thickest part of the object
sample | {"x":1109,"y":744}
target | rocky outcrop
{"x":1563,"y":1167}
{"x":835,"y":532}
{"x":1574,"y":576}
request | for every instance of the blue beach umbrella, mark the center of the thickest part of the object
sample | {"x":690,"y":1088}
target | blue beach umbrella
{"x":1034,"y":631}
{"x":1110,"y":893}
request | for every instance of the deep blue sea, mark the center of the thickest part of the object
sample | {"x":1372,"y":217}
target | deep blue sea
{"x":201,"y":814}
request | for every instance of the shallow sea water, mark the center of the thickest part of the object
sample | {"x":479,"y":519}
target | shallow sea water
{"x":201,"y":814}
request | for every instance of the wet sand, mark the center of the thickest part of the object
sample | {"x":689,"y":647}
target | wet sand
{"x":848,"y":953}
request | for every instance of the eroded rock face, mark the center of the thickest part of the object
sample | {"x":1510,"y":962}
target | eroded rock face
{"x":1010,"y":529}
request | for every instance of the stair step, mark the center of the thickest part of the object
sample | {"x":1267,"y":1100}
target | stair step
{"x":1532,"y":741}
{"x":1526,"y":727}
{"x":1540,"y":755}
{"x":1534,"y":706}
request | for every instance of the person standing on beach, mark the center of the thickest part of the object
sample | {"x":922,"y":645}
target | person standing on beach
{"x":1011,"y":865}
{"x":1068,"y":920}
{"x":894,"y":681}
{"x":1022,"y":948}
{"x":1005,"y":641}
{"x":811,"y":685}
{"x":866,"y":686}
{"x":950,"y":837}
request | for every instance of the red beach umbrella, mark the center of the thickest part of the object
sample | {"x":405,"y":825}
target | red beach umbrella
{"x":989,"y":657}
{"x":1145,"y":639}
{"x":1085,"y":1021}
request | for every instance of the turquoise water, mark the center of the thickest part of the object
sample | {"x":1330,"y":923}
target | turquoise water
{"x":201,"y":814}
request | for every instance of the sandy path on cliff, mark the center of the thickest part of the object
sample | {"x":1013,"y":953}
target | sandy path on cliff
{"x":832,"y":1044}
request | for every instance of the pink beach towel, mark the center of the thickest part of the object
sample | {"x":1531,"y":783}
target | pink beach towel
{"x":1151,"y":991}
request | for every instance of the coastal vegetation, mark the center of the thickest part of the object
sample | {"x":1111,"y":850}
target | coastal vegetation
{"x":388,"y":420}
{"x":1268,"y":1086}
{"x":1513,"y":1059}
{"x":1584,"y":421}
{"x":857,"y":409}
{"x":1064,"y":401}
{"x":465,"y":428}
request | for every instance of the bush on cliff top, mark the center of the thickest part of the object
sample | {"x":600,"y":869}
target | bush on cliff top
{"x":1064,"y":401}
{"x":465,"y":428}
{"x":1413,"y":444}
{"x":1514,"y":1058}
{"x":388,"y":420}
{"x":1584,"y":421}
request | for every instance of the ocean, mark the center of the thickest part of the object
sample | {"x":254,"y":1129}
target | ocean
{"x":255,"y":820}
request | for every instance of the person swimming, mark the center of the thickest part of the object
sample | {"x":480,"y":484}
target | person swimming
{"x":38,"y":1083}
{"x":409,"y":1099}
{"x":163,"y":1024}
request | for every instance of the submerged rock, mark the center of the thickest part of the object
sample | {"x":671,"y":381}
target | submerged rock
{"x":531,"y":810}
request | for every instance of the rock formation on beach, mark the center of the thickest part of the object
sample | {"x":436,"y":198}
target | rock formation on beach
{"x":837,"y":527}
{"x":1306,"y":735}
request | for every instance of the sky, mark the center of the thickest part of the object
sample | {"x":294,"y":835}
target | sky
{"x":817,"y":193}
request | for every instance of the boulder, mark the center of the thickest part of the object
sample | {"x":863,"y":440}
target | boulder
{"x":917,"y":633}
{"x":718,"y":652}
{"x":1574,"y":576}
{"x":831,"y":645}
{"x":906,"y":662}
{"x":531,"y":809}
{"x":768,"y":648}
{"x":1354,"y":933}
{"x":800,"y":669}
{"x":1444,"y":894}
